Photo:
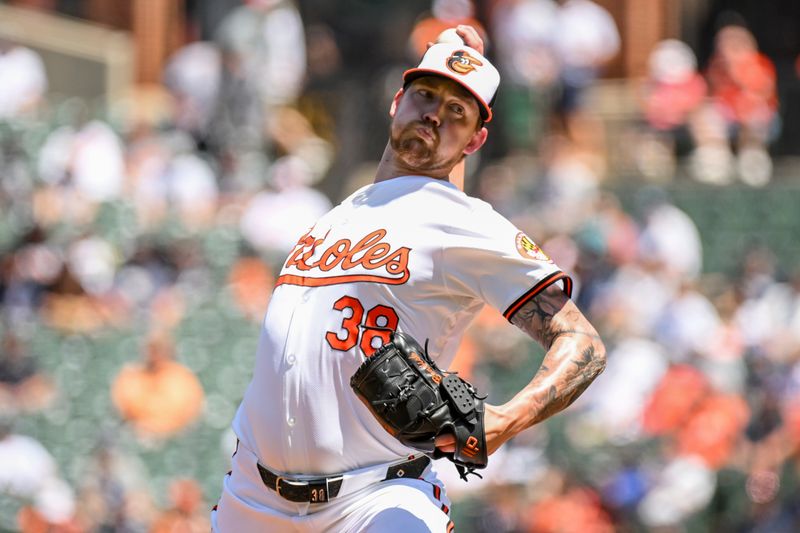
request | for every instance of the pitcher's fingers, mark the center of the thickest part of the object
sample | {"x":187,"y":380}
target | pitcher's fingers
{"x":446,"y":442}
{"x":470,"y":36}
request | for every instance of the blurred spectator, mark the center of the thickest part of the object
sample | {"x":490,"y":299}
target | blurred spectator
{"x":444,"y":14}
{"x":188,"y":513}
{"x":93,"y":261}
{"x":147,"y":159}
{"x":711,"y":161}
{"x":499,"y":184}
{"x":625,"y":488}
{"x":670,"y":240}
{"x":502,"y":352}
{"x":616,"y":405}
{"x":504,"y":509}
{"x":677,"y":395}
{"x":158,"y":397}
{"x":192,"y":190}
{"x":28,"y":473}
{"x":114,"y":496}
{"x":792,"y":331}
{"x":90,"y":160}
{"x":631,"y":301}
{"x":263,"y":66}
{"x":294,"y":136}
{"x":683,"y":486}
{"x":323,"y":96}
{"x":176,"y":181}
{"x":570,"y":188}
{"x":764,"y":311}
{"x":146,"y":282}
{"x":79,"y":296}
{"x":69,"y":307}
{"x":551,"y":53}
{"x":24,"y":80}
{"x":166,"y":176}
{"x":618,"y":230}
{"x":193,"y":78}
{"x":673,"y":90}
{"x":524,"y":30}
{"x":674,"y":87}
{"x":569,"y":508}
{"x":24,"y":274}
{"x":742,"y":82}
{"x":275,"y":219}
{"x":714,"y":429}
{"x":23,"y":388}
{"x":687,"y":323}
{"x":167,"y":307}
{"x":82,"y":165}
{"x":585,"y":39}
{"x":251,"y":282}
{"x":791,"y":415}
{"x":723,"y":358}
{"x":324,"y":55}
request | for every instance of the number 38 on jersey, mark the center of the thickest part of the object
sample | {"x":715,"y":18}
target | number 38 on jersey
{"x":369,"y":331}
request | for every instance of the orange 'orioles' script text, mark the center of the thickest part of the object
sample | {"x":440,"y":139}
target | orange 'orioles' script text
{"x":371,"y":254}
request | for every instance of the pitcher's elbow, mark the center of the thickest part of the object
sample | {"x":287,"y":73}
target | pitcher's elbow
{"x":600,"y":356}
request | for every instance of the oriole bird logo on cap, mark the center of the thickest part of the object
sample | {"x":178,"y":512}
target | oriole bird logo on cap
{"x":462,"y":63}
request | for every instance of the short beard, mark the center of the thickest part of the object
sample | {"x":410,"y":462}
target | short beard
{"x":416,"y":154}
{"x":412,"y":150}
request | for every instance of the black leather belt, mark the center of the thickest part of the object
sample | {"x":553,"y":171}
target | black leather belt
{"x":322,"y":489}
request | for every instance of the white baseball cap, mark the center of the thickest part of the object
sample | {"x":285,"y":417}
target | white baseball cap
{"x":465,"y":66}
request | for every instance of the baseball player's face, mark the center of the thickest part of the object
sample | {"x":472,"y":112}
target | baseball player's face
{"x":436,"y":123}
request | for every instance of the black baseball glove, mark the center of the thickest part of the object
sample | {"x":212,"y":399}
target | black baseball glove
{"x":415,"y":401}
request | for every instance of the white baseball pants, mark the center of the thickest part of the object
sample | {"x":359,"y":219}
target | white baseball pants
{"x":395,"y":506}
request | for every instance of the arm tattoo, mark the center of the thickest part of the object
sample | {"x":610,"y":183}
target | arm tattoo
{"x":559,"y":332}
{"x":561,"y":398}
{"x":535,"y":317}
{"x":575,"y":353}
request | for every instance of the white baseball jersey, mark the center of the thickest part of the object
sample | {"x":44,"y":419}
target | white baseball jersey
{"x":413,"y":254}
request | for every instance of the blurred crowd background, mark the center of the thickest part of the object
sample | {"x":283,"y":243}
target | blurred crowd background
{"x":158,"y":158}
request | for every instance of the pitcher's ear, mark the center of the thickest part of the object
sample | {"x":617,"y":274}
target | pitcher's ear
{"x":477,"y":140}
{"x":395,"y":102}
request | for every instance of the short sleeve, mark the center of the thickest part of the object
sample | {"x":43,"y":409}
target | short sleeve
{"x":492,"y":260}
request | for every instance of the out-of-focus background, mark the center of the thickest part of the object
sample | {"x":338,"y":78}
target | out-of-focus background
{"x":158,"y":158}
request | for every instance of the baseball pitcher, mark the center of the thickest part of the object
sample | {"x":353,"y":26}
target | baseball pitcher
{"x":350,"y":396}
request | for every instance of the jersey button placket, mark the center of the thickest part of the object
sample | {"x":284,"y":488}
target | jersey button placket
{"x":292,"y":375}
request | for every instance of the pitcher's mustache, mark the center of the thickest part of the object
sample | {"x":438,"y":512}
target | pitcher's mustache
{"x":426,"y":127}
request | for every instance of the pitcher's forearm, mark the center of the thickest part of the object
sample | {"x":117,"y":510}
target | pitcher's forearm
{"x":575,"y":357}
{"x":569,"y":367}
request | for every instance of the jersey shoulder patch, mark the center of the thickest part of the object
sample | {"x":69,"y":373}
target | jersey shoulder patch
{"x":529,"y":249}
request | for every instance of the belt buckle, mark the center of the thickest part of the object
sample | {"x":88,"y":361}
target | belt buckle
{"x":290,"y":482}
{"x":316,"y":494}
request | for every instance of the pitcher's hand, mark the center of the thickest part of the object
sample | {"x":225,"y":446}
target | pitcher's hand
{"x":495,"y":422}
{"x":470,"y":37}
